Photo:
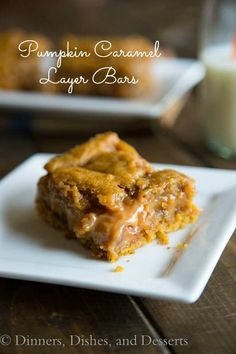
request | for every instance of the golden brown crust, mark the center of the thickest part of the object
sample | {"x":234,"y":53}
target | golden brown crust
{"x":103,"y":193}
{"x":107,"y":154}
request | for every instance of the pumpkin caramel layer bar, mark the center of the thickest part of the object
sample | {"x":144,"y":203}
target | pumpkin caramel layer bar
{"x":107,"y":196}
{"x":18,"y":71}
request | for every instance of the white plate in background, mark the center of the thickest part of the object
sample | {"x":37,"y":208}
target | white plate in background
{"x":174,"y":78}
{"x":32,"y":250}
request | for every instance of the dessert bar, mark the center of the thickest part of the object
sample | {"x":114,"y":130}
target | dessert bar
{"x":113,"y":201}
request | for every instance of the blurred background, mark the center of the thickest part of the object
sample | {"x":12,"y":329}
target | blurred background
{"x":176,"y":24}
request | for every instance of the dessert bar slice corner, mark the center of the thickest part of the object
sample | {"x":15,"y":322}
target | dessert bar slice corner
{"x":107,"y":196}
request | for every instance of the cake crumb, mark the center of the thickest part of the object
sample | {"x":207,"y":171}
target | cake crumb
{"x":162,"y":238}
{"x":118,"y":269}
{"x":181,"y":246}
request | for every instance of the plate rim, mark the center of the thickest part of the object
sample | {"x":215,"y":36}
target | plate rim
{"x":96,"y":105}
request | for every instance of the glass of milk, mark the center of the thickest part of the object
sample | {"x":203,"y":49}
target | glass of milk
{"x":218,"y":91}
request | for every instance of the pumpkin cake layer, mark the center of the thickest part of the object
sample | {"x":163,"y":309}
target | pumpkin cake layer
{"x":112,"y":200}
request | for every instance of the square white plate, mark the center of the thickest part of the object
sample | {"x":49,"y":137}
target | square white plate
{"x":32,"y":250}
{"x":173,"y":77}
